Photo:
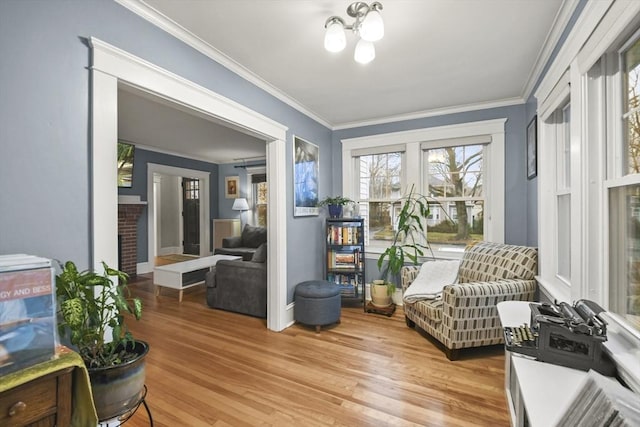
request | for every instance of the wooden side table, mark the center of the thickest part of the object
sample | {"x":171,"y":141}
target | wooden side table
{"x":42,"y":395}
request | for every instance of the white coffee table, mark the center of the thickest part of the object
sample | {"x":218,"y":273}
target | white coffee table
{"x":177,"y":275}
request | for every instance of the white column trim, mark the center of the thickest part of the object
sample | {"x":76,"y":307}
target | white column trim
{"x":111,"y":66}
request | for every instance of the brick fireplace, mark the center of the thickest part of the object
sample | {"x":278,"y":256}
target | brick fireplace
{"x":128,"y":214}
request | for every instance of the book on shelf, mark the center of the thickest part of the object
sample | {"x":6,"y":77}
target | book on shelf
{"x":601,"y":401}
{"x":343,"y":235}
{"x":350,"y":259}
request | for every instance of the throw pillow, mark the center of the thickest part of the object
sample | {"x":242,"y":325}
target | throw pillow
{"x":252,"y":237}
{"x":260,"y":255}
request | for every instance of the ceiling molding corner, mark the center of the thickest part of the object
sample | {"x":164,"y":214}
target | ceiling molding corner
{"x":142,"y":9}
{"x":553,"y":37}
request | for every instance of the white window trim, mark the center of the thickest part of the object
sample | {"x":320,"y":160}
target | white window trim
{"x":495,"y":160}
{"x":598,"y":29}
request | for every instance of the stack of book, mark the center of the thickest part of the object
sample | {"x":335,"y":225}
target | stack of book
{"x":602,"y":401}
{"x":27,"y":312}
{"x":343,"y":235}
{"x":349,"y":259}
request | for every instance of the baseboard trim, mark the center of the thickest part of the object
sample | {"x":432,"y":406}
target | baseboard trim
{"x":289,"y":320}
{"x":144,"y":267}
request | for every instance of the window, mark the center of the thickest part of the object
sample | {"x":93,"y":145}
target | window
{"x":624,"y":198}
{"x":454,"y":180}
{"x":380,"y":187}
{"x":259,"y":199}
{"x":378,"y":170}
{"x":563,"y":192}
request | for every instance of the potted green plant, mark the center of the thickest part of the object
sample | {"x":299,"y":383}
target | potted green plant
{"x":90,"y":306}
{"x":335,"y":204}
{"x":406,"y":245}
{"x":381,"y":293}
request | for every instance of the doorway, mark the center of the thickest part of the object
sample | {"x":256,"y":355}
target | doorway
{"x":190,"y":216}
{"x":110,"y":66}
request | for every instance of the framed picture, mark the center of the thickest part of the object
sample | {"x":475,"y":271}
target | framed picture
{"x":305,"y":177}
{"x":231,"y":185}
{"x":532,"y":148}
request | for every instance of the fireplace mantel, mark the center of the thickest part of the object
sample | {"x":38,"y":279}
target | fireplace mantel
{"x":130,"y":200}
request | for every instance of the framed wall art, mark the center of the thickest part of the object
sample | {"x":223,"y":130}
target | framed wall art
{"x":231,"y":185}
{"x":305,"y":177}
{"x":532,"y":148}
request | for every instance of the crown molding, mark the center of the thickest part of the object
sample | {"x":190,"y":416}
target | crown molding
{"x":434,"y":113}
{"x":553,"y":37}
{"x":142,"y":9}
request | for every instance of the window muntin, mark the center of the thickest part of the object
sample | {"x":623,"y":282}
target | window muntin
{"x":380,"y":184}
{"x":454,"y":179}
{"x":563,"y":192}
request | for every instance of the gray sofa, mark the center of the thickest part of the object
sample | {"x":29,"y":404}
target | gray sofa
{"x":245,"y":244}
{"x":240,"y":286}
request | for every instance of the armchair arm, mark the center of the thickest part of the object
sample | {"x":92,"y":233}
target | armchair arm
{"x":408,"y":273}
{"x":469,"y":313}
{"x":232,"y":242}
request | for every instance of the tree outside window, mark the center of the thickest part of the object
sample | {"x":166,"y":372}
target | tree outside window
{"x":454,"y":180}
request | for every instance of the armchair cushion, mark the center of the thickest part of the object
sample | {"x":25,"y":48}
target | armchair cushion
{"x":487,"y":261}
{"x":244,"y":245}
{"x":252,"y":237}
{"x":260,"y":254}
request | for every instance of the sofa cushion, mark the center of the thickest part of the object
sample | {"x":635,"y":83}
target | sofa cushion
{"x":260,"y":255}
{"x":252,"y":237}
{"x":245,"y":253}
{"x":431,"y":309}
{"x":487,"y":262}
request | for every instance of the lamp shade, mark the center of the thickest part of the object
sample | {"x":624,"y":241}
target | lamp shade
{"x":372,"y":28}
{"x":240,"y":204}
{"x":335,"y":39}
{"x":365,"y":52}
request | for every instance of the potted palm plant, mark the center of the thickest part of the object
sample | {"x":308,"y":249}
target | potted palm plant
{"x":90,"y":306}
{"x":407,"y":242}
{"x":381,"y":293}
{"x":335,"y":204}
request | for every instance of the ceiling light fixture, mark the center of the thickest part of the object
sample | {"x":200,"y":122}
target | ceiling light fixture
{"x":368,"y":26}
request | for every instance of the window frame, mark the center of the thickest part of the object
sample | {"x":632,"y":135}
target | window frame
{"x":589,"y":58}
{"x":413,"y":165}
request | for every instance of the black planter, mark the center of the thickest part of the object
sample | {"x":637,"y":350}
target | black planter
{"x":117,"y":389}
{"x":335,"y":211}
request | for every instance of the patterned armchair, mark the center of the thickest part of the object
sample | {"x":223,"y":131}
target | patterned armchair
{"x":466,"y":315}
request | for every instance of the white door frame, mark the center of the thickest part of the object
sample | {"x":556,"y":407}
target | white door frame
{"x":205,"y":230}
{"x":110,"y":66}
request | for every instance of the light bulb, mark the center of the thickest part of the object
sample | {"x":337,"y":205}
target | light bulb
{"x":372,"y":28}
{"x":365,"y":52}
{"x":335,"y":39}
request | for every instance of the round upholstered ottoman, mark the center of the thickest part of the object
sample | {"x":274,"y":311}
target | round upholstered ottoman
{"x":317,"y":303}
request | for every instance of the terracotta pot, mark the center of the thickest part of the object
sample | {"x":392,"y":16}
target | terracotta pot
{"x":117,"y":389}
{"x":379,"y":295}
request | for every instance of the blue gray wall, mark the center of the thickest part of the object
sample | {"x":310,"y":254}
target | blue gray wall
{"x":45,"y":124}
{"x":45,"y":127}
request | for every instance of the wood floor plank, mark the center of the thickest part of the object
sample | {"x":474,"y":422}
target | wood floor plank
{"x":215,"y":368}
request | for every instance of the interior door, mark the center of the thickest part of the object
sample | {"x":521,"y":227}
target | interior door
{"x":191,"y":216}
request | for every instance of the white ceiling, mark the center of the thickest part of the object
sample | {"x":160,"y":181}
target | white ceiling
{"x":437,"y":56}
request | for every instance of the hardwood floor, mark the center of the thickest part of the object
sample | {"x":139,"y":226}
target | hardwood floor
{"x":215,"y":368}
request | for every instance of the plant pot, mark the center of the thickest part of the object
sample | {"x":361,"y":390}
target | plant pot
{"x":335,"y":211}
{"x":379,"y":294}
{"x":117,"y":389}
